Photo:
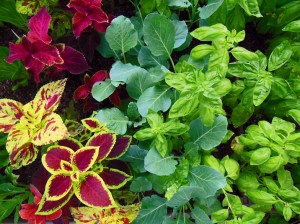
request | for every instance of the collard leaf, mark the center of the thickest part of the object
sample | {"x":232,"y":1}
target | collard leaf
{"x":207,"y":178}
{"x":102,"y":90}
{"x":179,"y":3}
{"x":159,"y":35}
{"x":153,"y":210}
{"x":208,"y":137}
{"x":279,"y":56}
{"x":135,"y":155}
{"x":140,"y":184}
{"x":200,"y":216}
{"x":147,"y":59}
{"x":156,"y":164}
{"x":181,"y":32}
{"x":184,"y":195}
{"x":209,"y":9}
{"x":119,"y":215}
{"x":157,"y":98}
{"x":114,"y":119}
{"x":121,"y":72}
{"x":138,"y":83}
{"x":121,"y":34}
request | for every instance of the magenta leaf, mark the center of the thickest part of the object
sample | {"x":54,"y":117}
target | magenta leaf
{"x":81,"y":92}
{"x":74,"y":61}
{"x":39,"y":25}
{"x":70,"y":143}
{"x":20,"y":51}
{"x":46,"y":54}
{"x":80,"y":22}
{"x":114,"y":178}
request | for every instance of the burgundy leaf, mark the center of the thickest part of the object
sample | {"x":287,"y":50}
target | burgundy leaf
{"x":70,"y":143}
{"x":120,"y":147}
{"x":106,"y":142}
{"x":98,"y":77}
{"x":85,"y":157}
{"x":80,"y":22}
{"x":79,"y":5}
{"x":58,"y":186}
{"x":114,"y":178}
{"x":74,"y":61}
{"x":97,"y":14}
{"x":88,"y":42}
{"x":81,"y":93}
{"x":54,"y":156}
{"x":46,"y":54}
{"x":39,"y":25}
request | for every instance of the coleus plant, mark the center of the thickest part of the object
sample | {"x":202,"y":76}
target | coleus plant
{"x":33,"y":124}
{"x":84,"y":171}
{"x":36,"y":51}
{"x":88,"y":13}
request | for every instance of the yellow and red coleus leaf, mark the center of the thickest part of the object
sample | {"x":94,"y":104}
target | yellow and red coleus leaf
{"x":92,"y":191}
{"x":114,"y":178}
{"x":23,"y":155}
{"x":120,"y":147}
{"x":105,"y":141}
{"x":70,"y":143}
{"x":58,"y":186}
{"x":51,"y":130}
{"x":118,"y":215}
{"x":10,"y":113}
{"x":85,"y":157}
{"x":38,"y":27}
{"x":51,"y":93}
{"x":17,"y":137}
{"x":52,"y":159}
{"x":94,"y":125}
{"x":47,"y":207}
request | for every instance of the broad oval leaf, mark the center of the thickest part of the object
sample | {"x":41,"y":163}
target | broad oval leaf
{"x":121,"y":34}
{"x":159,"y":35}
{"x":184,"y":195}
{"x":154,"y":210}
{"x":156,"y":164}
{"x":157,"y":98}
{"x":261,"y":90}
{"x":209,"y":9}
{"x":147,"y":59}
{"x":208,"y":137}
{"x":181,"y":32}
{"x":102,"y":90}
{"x":140,"y":184}
{"x":207,"y":178}
{"x":200,"y":216}
{"x":259,"y":156}
{"x":243,"y":54}
{"x":293,"y":26}
{"x":114,"y":119}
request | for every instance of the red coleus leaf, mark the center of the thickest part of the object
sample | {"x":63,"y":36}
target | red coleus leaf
{"x":120,"y":147}
{"x":114,"y":178}
{"x":10,"y":113}
{"x":85,"y":157}
{"x":39,"y":25}
{"x":52,"y":159}
{"x":70,"y":143}
{"x":58,"y":186}
{"x":84,"y":90}
{"x":91,"y":190}
{"x":88,"y":12}
{"x":74,"y":61}
{"x":105,"y":141}
{"x":47,"y":207}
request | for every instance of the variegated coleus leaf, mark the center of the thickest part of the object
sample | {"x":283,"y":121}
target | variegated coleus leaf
{"x":105,"y":141}
{"x":94,"y":125}
{"x":23,"y":156}
{"x":74,"y":128}
{"x":118,"y":215}
{"x":120,"y":147}
{"x":51,"y":93}
{"x":10,"y":113}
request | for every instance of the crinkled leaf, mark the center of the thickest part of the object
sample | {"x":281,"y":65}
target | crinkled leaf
{"x":208,"y":137}
{"x":157,"y":98}
{"x":102,"y":90}
{"x":92,"y":191}
{"x":121,"y":34}
{"x":207,"y":178}
{"x":114,"y":119}
{"x":159,"y":35}
{"x":161,"y":166}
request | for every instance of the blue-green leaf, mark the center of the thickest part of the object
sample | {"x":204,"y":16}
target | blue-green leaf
{"x":209,"y":9}
{"x":140,"y":184}
{"x":208,"y":137}
{"x":200,"y":216}
{"x":102,"y":90}
{"x":135,"y":155}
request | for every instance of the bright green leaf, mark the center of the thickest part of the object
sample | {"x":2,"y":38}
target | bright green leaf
{"x":279,"y":56}
{"x":261,"y":197}
{"x":243,"y":54}
{"x":259,"y":156}
{"x":293,"y":26}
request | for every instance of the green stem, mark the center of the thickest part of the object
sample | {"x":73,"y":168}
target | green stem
{"x":172,"y":62}
{"x":229,"y":204}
